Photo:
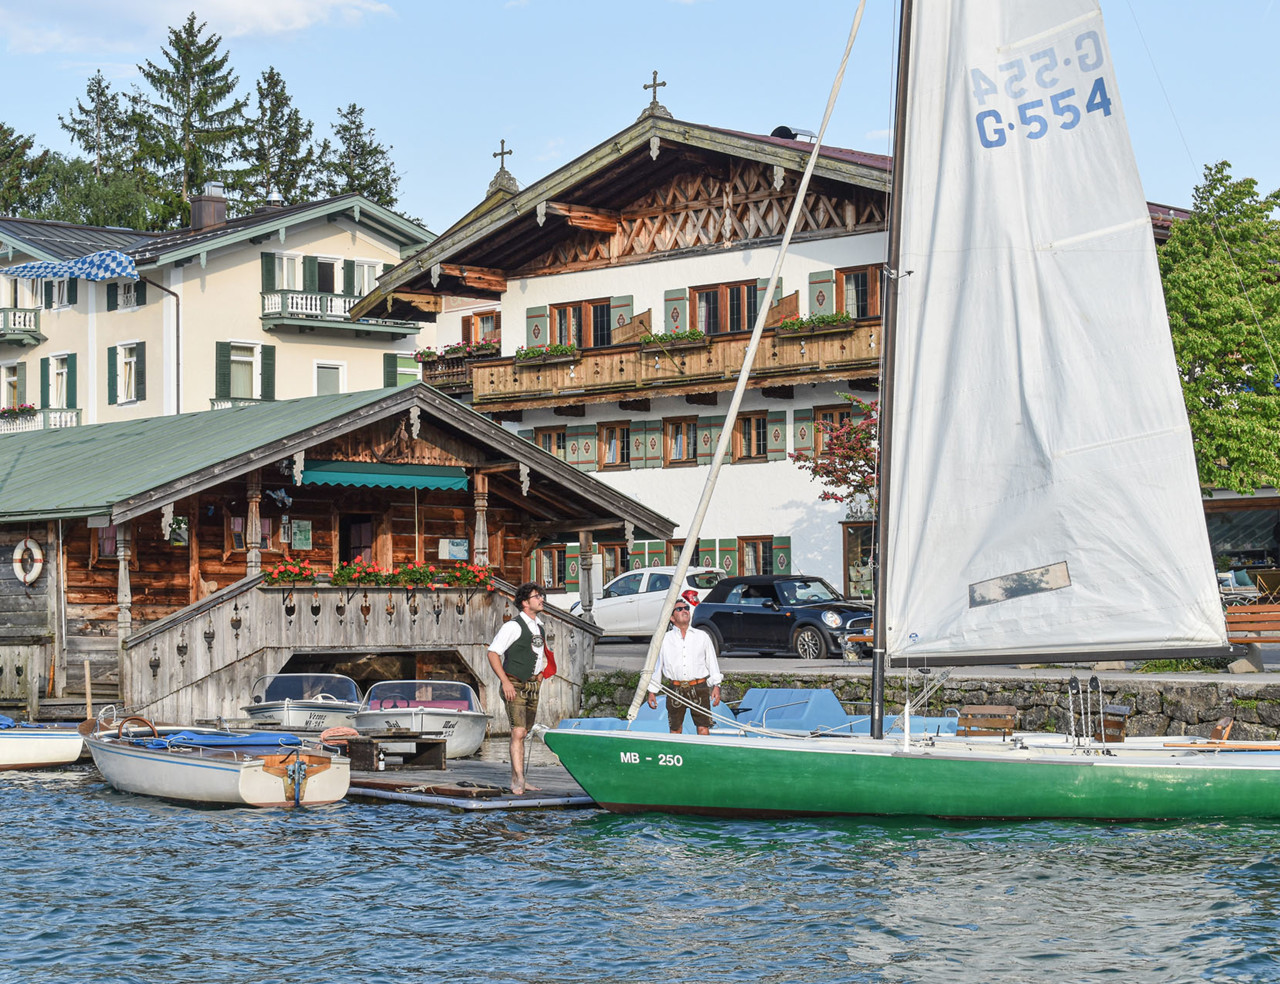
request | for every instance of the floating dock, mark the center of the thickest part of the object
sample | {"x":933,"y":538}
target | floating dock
{"x":470,"y":785}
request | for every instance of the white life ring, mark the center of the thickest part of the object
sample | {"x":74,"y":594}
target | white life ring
{"x":20,"y":570}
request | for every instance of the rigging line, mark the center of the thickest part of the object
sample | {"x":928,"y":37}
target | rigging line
{"x":1213,"y":218}
{"x":726,"y":432}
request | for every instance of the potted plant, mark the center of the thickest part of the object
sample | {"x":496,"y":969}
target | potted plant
{"x":289,"y":572}
{"x":19,"y":410}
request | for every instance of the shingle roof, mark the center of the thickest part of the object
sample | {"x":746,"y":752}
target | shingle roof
{"x":48,"y":240}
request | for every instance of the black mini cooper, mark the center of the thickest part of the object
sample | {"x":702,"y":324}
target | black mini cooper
{"x":773,"y":613}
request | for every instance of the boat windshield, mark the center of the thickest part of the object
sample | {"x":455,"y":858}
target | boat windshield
{"x":392,"y":694}
{"x":304,"y":686}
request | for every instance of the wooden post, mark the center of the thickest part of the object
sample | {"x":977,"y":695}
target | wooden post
{"x":88,"y":692}
{"x":253,"y":525}
{"x":585,"y":562}
{"x":480,"y":541}
{"x":124,"y":594}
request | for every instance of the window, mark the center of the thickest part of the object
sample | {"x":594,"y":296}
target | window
{"x":681,"y":442}
{"x":60,"y":293}
{"x":486,"y":326}
{"x":551,"y":567}
{"x":329,"y":378}
{"x":128,"y":294}
{"x":601,"y":326}
{"x":128,"y":373}
{"x":11,"y":387}
{"x":614,"y":558}
{"x":567,"y":322}
{"x":614,"y":441}
{"x":243,"y":364}
{"x":408,"y":371}
{"x":58,"y":381}
{"x":286,"y":272}
{"x":106,"y":542}
{"x":365,"y":277}
{"x":567,"y":325}
{"x":725,"y":308}
{"x":326,"y":276}
{"x":756,"y":555}
{"x":858,"y":291}
{"x":826,"y":420}
{"x":552,"y":440}
{"x":751,"y":439}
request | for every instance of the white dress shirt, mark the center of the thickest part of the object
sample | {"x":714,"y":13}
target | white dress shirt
{"x":510,"y":632}
{"x":690,"y":656}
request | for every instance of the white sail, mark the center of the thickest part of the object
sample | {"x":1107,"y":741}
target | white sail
{"x":1042,"y":495}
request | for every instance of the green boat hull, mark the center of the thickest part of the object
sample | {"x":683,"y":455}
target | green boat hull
{"x":628,"y":772}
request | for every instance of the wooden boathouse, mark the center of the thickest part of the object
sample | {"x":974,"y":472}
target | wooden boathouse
{"x":143,"y":551}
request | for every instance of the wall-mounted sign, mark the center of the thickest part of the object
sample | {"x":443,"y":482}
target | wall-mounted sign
{"x":301,"y":539}
{"x":454,"y":549}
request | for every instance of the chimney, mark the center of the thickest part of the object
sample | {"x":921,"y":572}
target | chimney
{"x":274,"y":201}
{"x":210,"y":208}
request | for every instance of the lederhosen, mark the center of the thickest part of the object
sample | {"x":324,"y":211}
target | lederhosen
{"x":519,"y":663}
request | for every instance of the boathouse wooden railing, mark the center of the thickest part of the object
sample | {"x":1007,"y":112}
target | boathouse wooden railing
{"x":199,"y":663}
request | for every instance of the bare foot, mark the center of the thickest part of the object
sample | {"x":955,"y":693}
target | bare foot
{"x":517,"y":790}
{"x":532,"y":789}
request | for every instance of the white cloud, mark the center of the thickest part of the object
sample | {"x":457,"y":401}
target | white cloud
{"x":552,"y":150}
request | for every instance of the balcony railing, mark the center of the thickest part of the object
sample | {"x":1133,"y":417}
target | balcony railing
{"x":39,"y":420}
{"x":226,"y":402}
{"x":783,"y":358}
{"x":306,"y":304}
{"x":20,"y":319}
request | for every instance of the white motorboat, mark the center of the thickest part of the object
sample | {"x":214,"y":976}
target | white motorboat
{"x":37,"y":746}
{"x":303,"y":701}
{"x":208,"y":767}
{"x":435,"y":708}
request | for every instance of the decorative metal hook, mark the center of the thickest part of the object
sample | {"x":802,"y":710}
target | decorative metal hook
{"x":365,"y":607}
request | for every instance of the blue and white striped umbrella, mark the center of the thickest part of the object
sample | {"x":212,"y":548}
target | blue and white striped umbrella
{"x":110,"y":264}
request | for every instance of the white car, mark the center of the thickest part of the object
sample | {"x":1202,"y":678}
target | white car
{"x":631,"y":602}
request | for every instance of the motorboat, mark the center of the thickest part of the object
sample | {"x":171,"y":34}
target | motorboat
{"x":303,"y":701}
{"x":434,"y":708}
{"x":25,"y":745}
{"x":210,"y":767}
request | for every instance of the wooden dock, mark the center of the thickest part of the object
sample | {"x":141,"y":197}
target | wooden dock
{"x":469,"y":785}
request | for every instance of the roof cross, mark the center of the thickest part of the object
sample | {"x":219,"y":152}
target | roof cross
{"x":655,"y":87}
{"x":503,"y":154}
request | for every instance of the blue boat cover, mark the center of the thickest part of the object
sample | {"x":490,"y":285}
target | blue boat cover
{"x":7,"y":722}
{"x":192,"y":739}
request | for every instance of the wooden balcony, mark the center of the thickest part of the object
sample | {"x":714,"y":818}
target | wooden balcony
{"x":39,"y":420}
{"x":678,"y":368}
{"x":454,"y":375}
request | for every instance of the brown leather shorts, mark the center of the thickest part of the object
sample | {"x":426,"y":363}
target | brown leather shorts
{"x":700,"y":696}
{"x":524,"y":708}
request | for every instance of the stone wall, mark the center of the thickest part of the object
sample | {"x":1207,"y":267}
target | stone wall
{"x":1189,"y":706}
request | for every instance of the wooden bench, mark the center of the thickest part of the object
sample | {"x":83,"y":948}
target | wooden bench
{"x":1115,"y":719}
{"x":987,"y":719}
{"x":1253,"y":624}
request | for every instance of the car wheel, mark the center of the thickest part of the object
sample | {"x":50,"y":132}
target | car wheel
{"x":809,"y":643}
{"x":716,"y":641}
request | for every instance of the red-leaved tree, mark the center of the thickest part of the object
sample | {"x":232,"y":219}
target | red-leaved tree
{"x":846,"y":465}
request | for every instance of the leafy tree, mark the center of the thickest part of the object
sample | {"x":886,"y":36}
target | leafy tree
{"x":22,"y":174}
{"x":75,"y":193}
{"x":1221,"y":288}
{"x":199,"y":120}
{"x":101,"y":127}
{"x":847,"y":464}
{"x":358,"y":163}
{"x":276,"y":148}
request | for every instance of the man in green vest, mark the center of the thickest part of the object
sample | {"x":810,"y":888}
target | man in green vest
{"x":518,"y":657}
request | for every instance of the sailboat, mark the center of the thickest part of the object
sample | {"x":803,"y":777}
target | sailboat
{"x":1039,"y":499}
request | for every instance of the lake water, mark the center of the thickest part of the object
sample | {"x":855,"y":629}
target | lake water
{"x":104,"y":887}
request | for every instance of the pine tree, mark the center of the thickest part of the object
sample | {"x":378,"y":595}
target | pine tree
{"x":100,"y":127}
{"x":1223,"y":298}
{"x":276,"y":148}
{"x":358,"y":163}
{"x":76,"y":193}
{"x":198,"y":119}
{"x":23,"y":177}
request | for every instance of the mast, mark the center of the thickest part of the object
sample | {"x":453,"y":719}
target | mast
{"x":888,"y":331}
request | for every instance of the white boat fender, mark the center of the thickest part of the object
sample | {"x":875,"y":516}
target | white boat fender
{"x":27,"y":571}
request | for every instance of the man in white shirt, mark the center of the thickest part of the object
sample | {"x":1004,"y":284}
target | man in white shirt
{"x":518,"y":657}
{"x":688,"y":661}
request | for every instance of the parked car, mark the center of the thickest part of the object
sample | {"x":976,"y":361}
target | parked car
{"x":632,"y":602}
{"x":774,"y":613}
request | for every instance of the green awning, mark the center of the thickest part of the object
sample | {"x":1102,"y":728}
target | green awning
{"x":378,"y":475}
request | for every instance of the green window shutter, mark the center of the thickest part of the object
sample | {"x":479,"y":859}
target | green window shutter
{"x":571,"y":555}
{"x":536,"y":326}
{"x":802,"y":430}
{"x":707,"y":553}
{"x":268,"y":372}
{"x":387,"y":268}
{"x":221,"y":370}
{"x":729,"y":557}
{"x":112,"y":373}
{"x":113,"y":296}
{"x":48,"y":294}
{"x":653,"y":445}
{"x":44,"y":384}
{"x":71,"y":382}
{"x":822,"y":292}
{"x":140,"y":293}
{"x":140,"y":371}
{"x":310,"y":274}
{"x":675,"y":309}
{"x":72,"y":291}
{"x":582,"y":446}
{"x":639,"y":434}
{"x":776,"y":424}
{"x":22,"y":382}
{"x":349,"y":277}
{"x":390,"y":369}
{"x":268,"y":272}
{"x":782,"y":555}
{"x":709,"y":429}
{"x":762,"y":285}
{"x":621,"y":310}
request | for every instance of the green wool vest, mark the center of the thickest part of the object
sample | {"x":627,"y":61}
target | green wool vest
{"x":522,"y":656}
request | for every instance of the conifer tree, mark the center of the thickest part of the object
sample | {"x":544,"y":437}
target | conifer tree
{"x":100,"y":127}
{"x":198,"y":118}
{"x":358,"y":163}
{"x":22,"y":174}
{"x":276,"y":149}
{"x":1223,"y":297}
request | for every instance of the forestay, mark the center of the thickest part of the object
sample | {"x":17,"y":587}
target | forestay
{"x":1042,"y":493}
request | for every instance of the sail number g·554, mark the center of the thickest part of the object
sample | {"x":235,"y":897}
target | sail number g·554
{"x":1047,"y":72}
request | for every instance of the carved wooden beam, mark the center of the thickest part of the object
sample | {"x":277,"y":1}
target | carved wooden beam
{"x":427,"y":303}
{"x":583,"y":217}
{"x":481,"y":278}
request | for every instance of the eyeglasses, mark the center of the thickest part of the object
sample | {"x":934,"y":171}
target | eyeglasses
{"x":680,"y":608}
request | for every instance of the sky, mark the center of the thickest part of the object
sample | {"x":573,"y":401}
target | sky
{"x":443,"y":81}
